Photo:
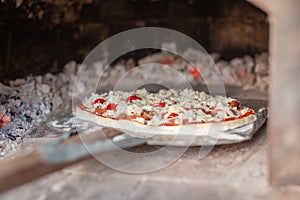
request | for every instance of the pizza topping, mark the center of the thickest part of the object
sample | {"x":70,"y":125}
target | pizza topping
{"x":100,"y":100}
{"x":147,"y":108}
{"x":185,"y":121}
{"x":172,"y":115}
{"x":140,"y":120}
{"x":133,"y":110}
{"x":146,"y":115}
{"x":169,"y":123}
{"x":167,"y":107}
{"x":212,"y":108}
{"x":235,"y":103}
{"x":99,"y":111}
{"x":133,"y":98}
{"x":111,"y":106}
{"x":161,"y":104}
{"x":249,"y":112}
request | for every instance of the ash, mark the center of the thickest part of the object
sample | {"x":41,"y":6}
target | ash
{"x":25,"y":103}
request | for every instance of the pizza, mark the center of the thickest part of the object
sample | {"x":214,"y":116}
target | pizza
{"x":165,"y":111}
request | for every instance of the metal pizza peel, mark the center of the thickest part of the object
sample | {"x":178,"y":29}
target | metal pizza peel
{"x":78,"y":141}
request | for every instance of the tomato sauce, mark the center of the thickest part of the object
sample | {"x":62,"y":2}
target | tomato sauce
{"x":170,"y":122}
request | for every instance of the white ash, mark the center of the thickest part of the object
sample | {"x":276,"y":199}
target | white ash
{"x":27,"y":102}
{"x":249,"y":72}
{"x":261,"y":64}
{"x":2,"y":111}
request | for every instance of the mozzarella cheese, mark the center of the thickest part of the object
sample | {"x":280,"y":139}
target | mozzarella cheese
{"x":165,"y":106}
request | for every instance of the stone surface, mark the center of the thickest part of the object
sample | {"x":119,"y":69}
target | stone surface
{"x":237,"y":171}
{"x":284,"y":126}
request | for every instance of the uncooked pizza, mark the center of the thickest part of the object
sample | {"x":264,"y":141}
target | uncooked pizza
{"x":167,"y":110}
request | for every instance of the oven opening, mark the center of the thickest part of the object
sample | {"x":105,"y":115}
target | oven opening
{"x":46,"y":45}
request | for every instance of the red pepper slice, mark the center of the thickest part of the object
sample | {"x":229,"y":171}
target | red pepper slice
{"x":206,"y":112}
{"x":99,"y":101}
{"x":172,"y":115}
{"x":111,"y":106}
{"x":133,"y":98}
{"x":132,"y":116}
{"x":249,"y":112}
{"x":161,"y":104}
{"x":212,"y":108}
{"x":99,"y":111}
{"x":229,"y":119}
{"x":185,"y":121}
{"x":169,"y":123}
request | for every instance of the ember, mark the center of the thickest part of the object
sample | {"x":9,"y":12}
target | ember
{"x":25,"y":103}
{"x":5,"y":118}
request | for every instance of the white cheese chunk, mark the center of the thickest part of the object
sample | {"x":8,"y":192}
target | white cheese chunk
{"x":189,"y":105}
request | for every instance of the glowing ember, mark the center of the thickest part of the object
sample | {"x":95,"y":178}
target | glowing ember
{"x":5,"y":118}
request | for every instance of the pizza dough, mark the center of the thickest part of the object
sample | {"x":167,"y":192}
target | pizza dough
{"x":167,"y":112}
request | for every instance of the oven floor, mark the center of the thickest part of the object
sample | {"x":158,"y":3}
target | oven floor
{"x":237,"y":171}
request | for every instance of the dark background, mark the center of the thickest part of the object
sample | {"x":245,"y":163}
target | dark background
{"x":39,"y":36}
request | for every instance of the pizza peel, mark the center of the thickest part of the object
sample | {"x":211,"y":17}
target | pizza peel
{"x":70,"y":147}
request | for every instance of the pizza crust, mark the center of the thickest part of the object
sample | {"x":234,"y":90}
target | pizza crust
{"x":145,"y":131}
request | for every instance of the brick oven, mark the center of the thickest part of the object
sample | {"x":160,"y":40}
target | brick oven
{"x":252,"y":43}
{"x":71,"y":29}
